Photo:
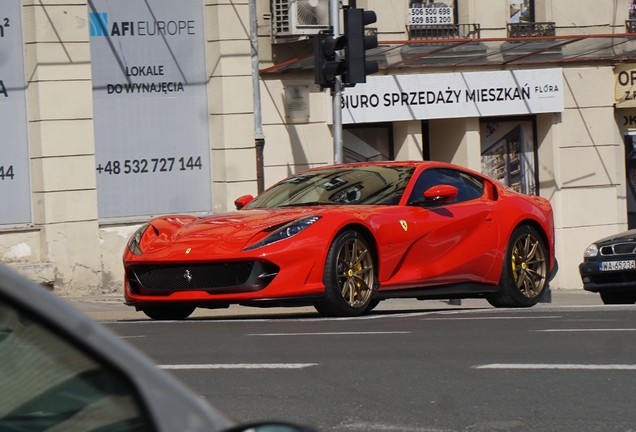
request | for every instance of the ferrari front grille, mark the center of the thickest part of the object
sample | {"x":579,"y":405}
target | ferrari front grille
{"x":178,"y":277}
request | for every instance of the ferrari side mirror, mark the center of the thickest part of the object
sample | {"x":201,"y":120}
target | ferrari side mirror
{"x":440,"y":194}
{"x":242,"y":201}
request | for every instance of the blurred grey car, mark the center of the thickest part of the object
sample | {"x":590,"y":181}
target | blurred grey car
{"x":60,"y":371}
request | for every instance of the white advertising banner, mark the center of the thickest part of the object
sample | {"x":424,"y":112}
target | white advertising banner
{"x":452,"y":95}
{"x":15,"y":179}
{"x":150,"y":107}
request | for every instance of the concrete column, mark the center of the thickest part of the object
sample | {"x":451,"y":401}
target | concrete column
{"x":407,"y":140}
{"x":230,"y":101}
{"x":456,"y":141}
{"x":60,"y":110}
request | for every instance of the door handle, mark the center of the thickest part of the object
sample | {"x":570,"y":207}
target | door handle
{"x":488,"y":217}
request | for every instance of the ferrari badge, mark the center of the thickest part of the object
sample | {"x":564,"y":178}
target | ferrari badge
{"x":405,"y":226}
{"x":188,"y":250}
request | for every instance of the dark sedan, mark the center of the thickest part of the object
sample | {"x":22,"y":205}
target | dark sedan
{"x":609,"y":268}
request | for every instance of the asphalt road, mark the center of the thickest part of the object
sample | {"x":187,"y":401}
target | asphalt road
{"x":555,"y":368}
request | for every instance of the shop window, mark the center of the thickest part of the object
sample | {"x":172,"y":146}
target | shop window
{"x":631,"y":22}
{"x":508,"y":153}
{"x":522,"y":22}
{"x":366,"y":143}
{"x":521,"y":11}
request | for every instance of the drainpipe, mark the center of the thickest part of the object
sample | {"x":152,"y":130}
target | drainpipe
{"x":259,"y":137}
{"x":336,"y":93}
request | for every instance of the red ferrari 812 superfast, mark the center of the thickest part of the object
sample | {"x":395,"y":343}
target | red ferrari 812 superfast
{"x":343,"y":238}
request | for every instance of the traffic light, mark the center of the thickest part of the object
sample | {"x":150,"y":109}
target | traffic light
{"x":358,"y":67}
{"x":326,"y":67}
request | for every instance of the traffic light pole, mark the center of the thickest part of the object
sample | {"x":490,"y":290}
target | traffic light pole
{"x":336,"y":93}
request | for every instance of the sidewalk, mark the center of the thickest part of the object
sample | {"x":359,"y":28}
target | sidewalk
{"x":110,"y":307}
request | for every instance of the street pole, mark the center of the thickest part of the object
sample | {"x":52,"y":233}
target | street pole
{"x":259,"y":137}
{"x":336,"y":93}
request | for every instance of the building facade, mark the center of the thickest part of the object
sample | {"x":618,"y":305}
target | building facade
{"x":113,"y":111}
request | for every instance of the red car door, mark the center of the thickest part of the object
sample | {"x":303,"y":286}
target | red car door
{"x":456,"y":241}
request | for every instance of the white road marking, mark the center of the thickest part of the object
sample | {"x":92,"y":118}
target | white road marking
{"x":558,"y":366}
{"x":587,"y":330}
{"x":329,"y":333}
{"x":490,"y":318}
{"x":130,"y":337}
{"x":383,"y":314}
{"x":239,"y":366}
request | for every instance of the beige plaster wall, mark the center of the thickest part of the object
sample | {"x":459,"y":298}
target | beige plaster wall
{"x":447,"y":141}
{"x":230,"y":100}
{"x":293,"y":147}
{"x":589,"y":17}
{"x":113,"y":240}
{"x":588,"y":194}
{"x":407,"y":140}
{"x":492,"y":15}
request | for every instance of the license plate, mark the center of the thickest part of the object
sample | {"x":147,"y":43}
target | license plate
{"x":617,"y":265}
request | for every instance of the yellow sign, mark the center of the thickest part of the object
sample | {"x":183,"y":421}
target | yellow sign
{"x":625,"y":86}
{"x":405,"y":226}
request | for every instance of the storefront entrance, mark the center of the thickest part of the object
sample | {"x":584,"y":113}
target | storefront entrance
{"x":368,"y":142}
{"x":508,"y":153}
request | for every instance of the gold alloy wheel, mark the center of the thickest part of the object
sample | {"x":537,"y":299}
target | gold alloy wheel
{"x":355,"y":272}
{"x":529,"y":266}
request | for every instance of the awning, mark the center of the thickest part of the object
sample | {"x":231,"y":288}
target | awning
{"x":488,"y":52}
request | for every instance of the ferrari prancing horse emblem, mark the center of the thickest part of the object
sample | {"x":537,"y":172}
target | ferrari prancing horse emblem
{"x":405,"y":226}
{"x":187,"y":276}
{"x":188,"y":250}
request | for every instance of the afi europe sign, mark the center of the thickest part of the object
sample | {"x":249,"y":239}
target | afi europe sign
{"x":150,"y":107}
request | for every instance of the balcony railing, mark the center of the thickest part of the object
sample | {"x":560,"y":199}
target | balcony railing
{"x":444,"y":31}
{"x":517,"y":30}
{"x":630,"y":26}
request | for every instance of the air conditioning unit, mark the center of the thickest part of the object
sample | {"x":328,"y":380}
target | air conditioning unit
{"x":299,"y":18}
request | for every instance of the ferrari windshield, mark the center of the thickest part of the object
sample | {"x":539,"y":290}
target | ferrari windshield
{"x":356,"y":185}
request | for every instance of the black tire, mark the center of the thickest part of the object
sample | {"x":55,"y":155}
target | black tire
{"x":525,"y":273}
{"x":168,"y":312}
{"x":349,"y":277}
{"x":372,"y":305}
{"x":610,"y":298}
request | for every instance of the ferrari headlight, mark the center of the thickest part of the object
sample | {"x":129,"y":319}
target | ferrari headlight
{"x":591,"y":251}
{"x":285,"y":232}
{"x":133,"y":243}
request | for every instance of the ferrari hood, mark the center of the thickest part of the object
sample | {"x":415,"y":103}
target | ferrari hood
{"x":222,"y":233}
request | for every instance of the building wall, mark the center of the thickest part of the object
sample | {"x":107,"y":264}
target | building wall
{"x":589,"y":199}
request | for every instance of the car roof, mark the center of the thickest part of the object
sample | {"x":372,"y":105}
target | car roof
{"x":408,"y":163}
